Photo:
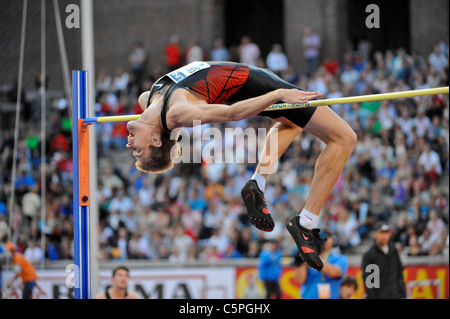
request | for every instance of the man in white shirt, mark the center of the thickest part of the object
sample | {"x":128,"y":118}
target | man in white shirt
{"x":422,"y":124}
{"x":34,"y":254}
{"x":437,"y":59}
{"x":121,"y":203}
{"x":311,"y":44}
{"x":276,"y":60}
{"x":430,"y":160}
{"x":248,"y":51}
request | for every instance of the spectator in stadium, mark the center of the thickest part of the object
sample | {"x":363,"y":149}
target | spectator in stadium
{"x":384,"y":255}
{"x":347,"y":230}
{"x":431,"y":163}
{"x":349,"y":286}
{"x":194,"y":52}
{"x":181,"y":242}
{"x":120,"y":82}
{"x":270,"y":269}
{"x":103,"y":83}
{"x":31,"y":203}
{"x":323,"y":284}
{"x":110,"y":181}
{"x":138,"y":60}
{"x":437,"y":59}
{"x":173,"y":53}
{"x":276,"y":60}
{"x":220,"y":52}
{"x":33,"y":253}
{"x":248,"y":51}
{"x":436,"y":225}
{"x":349,"y":76}
{"x":118,"y":290}
{"x":121,"y":202}
{"x":311,"y":44}
{"x":426,"y":242}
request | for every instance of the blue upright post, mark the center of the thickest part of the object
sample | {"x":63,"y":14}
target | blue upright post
{"x":80,"y":180}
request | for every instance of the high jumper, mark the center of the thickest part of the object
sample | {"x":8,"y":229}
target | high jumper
{"x":214,"y":92}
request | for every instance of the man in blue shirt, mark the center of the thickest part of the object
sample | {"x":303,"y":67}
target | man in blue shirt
{"x":323,"y":284}
{"x":197,"y":203}
{"x":270,"y":269}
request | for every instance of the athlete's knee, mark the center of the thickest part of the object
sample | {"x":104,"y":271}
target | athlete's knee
{"x":349,"y":140}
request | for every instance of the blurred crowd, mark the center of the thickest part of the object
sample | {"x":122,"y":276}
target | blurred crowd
{"x":398,"y":172}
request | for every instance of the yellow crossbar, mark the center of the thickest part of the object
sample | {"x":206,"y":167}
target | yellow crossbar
{"x":361,"y":98}
{"x":337,"y":101}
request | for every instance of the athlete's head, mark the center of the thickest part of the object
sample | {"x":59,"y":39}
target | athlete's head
{"x":152,"y":146}
{"x":158,"y":159}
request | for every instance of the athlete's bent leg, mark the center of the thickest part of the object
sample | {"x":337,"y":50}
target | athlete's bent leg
{"x":253,"y":191}
{"x":286,"y":133}
{"x":340,"y":141}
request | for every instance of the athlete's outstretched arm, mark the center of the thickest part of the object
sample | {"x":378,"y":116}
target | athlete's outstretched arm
{"x":184,"y":113}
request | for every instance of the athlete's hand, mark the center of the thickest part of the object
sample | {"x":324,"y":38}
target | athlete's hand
{"x":295,"y":96}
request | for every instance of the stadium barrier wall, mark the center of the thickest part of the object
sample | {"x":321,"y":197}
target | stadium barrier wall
{"x":425,"y":278}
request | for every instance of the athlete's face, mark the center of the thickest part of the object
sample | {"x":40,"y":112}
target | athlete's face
{"x":142,"y":133}
{"x":139,"y":139}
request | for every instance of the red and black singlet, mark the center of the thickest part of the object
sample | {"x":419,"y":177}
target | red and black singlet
{"x":226,"y":83}
{"x":219,"y":83}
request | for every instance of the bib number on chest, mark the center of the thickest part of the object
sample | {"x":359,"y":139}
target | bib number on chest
{"x":180,"y":74}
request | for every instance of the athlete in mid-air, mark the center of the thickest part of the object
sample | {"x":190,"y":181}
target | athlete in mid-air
{"x":213,"y":92}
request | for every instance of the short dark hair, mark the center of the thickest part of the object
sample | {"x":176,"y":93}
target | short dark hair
{"x":120,"y":268}
{"x":160,"y":159}
{"x":349,"y":281}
